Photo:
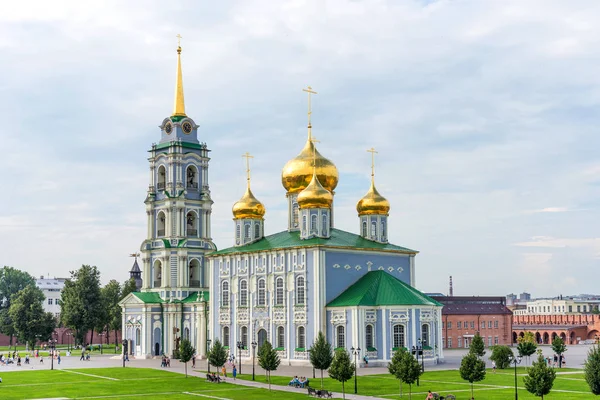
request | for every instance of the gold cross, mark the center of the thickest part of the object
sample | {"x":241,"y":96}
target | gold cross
{"x":178,"y":39}
{"x":373,"y":152}
{"x":247,"y":156}
{"x":136,"y":255}
{"x":309,"y":91}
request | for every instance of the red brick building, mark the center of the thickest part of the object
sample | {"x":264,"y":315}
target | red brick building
{"x":464,"y":316}
{"x":572,"y":328}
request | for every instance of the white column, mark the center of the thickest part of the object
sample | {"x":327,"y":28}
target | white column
{"x":384,"y":335}
{"x":201,"y":347}
{"x":440,"y":327}
{"x":413,"y":321}
{"x":412,"y":270}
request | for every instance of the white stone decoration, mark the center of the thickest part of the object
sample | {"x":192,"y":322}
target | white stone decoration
{"x":338,"y":317}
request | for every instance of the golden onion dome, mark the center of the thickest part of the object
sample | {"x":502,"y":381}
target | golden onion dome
{"x":297,"y":173}
{"x":373,"y":203}
{"x":248,"y":207}
{"x":315,"y":195}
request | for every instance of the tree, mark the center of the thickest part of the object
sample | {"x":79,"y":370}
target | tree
{"x":30,"y":321}
{"x":186,"y":352}
{"x":217,"y":355}
{"x":472,"y":369}
{"x":128,"y":287}
{"x":111,"y":295}
{"x":477,"y":347}
{"x":559,"y":347}
{"x":342,"y":369}
{"x":395,"y":365}
{"x":526,"y":345}
{"x":321,"y":354}
{"x":81,"y":303}
{"x":409,"y":371}
{"x":540,"y":378}
{"x":592,"y":369}
{"x":12,"y":281}
{"x":502,"y":356}
{"x":268,"y":359}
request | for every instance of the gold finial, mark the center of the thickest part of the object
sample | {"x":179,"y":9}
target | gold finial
{"x":247,"y":156}
{"x":309,"y":91}
{"x":313,"y":141}
{"x":136,"y":255}
{"x":179,"y":107}
{"x":373,"y":152}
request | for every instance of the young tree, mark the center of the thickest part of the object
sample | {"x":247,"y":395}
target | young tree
{"x":217,"y":355}
{"x":472,"y":369}
{"x":592,"y":369}
{"x":477,"y":347}
{"x":268,"y":359}
{"x":30,"y":320}
{"x":128,"y":287}
{"x":526,"y":345}
{"x":559,"y":347}
{"x":186,"y":352}
{"x":502,"y":356}
{"x":410,"y":371}
{"x":12,"y":281}
{"x":342,"y":369}
{"x":395,"y":365}
{"x":321,"y":354}
{"x":540,"y":378}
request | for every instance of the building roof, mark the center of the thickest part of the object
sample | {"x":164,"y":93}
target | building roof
{"x":547,"y":327}
{"x":469,"y":305}
{"x":378,"y":288}
{"x":50,"y":283}
{"x":135,"y":267}
{"x":338,"y":239}
{"x":154,"y":298}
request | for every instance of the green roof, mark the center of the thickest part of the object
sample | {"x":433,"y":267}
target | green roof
{"x":153,"y":297}
{"x":187,"y":145}
{"x":338,"y":239}
{"x":378,"y":288}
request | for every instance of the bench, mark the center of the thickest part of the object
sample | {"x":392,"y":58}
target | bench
{"x":215,"y":379}
{"x":320,"y":393}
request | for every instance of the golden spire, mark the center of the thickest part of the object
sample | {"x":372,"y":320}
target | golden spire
{"x":179,"y":107}
{"x":247,"y":156}
{"x":373,"y":152}
{"x":373,"y":202}
{"x":309,"y":91}
{"x":248,"y":206}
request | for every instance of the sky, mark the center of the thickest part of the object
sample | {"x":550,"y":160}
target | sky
{"x":484,"y":113}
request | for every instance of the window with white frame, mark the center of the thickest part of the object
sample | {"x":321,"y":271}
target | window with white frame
{"x":482,"y":324}
{"x":279,"y":291}
{"x":373,"y":229}
{"x":247,"y":231}
{"x":244,"y":293}
{"x":496,"y":340}
{"x":369,"y":337}
{"x":237,"y":231}
{"x":324,"y":229}
{"x":489,"y":324}
{"x":301,"y":338}
{"x":262,"y":295}
{"x":226,"y":336}
{"x":256,"y":231}
{"x":245,"y":336}
{"x":398,"y":339}
{"x":382,"y":230}
{"x":340,"y":336}
{"x":304,"y":223}
{"x":449,"y":342}
{"x":313,"y":223}
{"x":300,"y":298}
{"x":225,"y":294}
{"x":495,"y":324}
{"x":280,"y":337}
{"x":490,"y":342}
{"x":364,"y":228}
{"x":425,"y":334}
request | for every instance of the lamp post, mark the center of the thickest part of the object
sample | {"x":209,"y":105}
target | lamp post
{"x":69,"y":334}
{"x":208,"y":351}
{"x":240,"y":346}
{"x":422,"y":355}
{"x":52,"y":343}
{"x":253,"y":355}
{"x":515,"y":360}
{"x":101,"y":337}
{"x":37,"y":339}
{"x":356,"y":353}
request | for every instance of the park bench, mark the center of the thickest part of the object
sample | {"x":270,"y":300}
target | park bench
{"x":210,"y":378}
{"x":320,"y":393}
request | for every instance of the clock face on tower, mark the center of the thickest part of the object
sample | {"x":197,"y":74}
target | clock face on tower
{"x":187,"y":127}
{"x":169,"y":128}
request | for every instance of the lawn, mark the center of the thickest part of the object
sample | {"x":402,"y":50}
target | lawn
{"x":127,"y":383}
{"x":569,"y":384}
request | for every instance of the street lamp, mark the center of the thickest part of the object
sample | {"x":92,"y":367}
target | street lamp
{"x":240,"y":346}
{"x":515,"y":360}
{"x":253,"y":354}
{"x":37,"y":339}
{"x":52,"y":343}
{"x":101,"y":337}
{"x":208,"y":351}
{"x":356,"y":353}
{"x":69,"y":334}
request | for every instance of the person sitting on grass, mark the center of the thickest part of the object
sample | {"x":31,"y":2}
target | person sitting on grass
{"x":429,"y":396}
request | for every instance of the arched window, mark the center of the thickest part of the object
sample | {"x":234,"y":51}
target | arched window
{"x":383,"y":233}
{"x":160,"y":224}
{"x":279,"y":292}
{"x":295,"y":214}
{"x":162,"y":177}
{"x":138,"y":337}
{"x":281,"y":337}
{"x":191,"y":225}
{"x":262,"y":295}
{"x":373,"y":229}
{"x":340,"y":336}
{"x":425,"y":334}
{"x":226,"y":336}
{"x":192,"y":177}
{"x":244,"y":293}
{"x":364,"y":228}
{"x":313,"y":224}
{"x":157,"y":274}
{"x":245,"y":337}
{"x":256,"y":231}
{"x":225,"y":294}
{"x":301,"y":338}
{"x":324,"y":227}
{"x":237,"y":231}
{"x":304,"y":223}
{"x":247,"y":231}
{"x":300,"y":290}
{"x":398,"y":336}
{"x":186,"y":333}
{"x":369,"y":336}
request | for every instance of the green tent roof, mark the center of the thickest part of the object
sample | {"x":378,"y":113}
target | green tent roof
{"x":378,"y":288}
{"x":153,"y":297}
{"x":338,"y":239}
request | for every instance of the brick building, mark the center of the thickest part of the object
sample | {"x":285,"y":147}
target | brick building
{"x":464,"y":316}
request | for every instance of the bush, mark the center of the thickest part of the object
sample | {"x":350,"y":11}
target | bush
{"x":592,"y":369}
{"x":502,"y":356}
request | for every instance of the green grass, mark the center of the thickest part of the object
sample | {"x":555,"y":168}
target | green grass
{"x":498,"y":386}
{"x":116,"y":383}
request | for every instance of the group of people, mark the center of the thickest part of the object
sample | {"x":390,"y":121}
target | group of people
{"x":233,"y":371}
{"x":301,"y":382}
{"x":165,"y":362}
{"x":556,"y":361}
{"x":15,"y":358}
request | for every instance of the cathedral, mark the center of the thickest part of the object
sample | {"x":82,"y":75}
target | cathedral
{"x":356,"y":288}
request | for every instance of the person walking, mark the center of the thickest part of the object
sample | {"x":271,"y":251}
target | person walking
{"x":234,"y":372}
{"x":58,"y":358}
{"x":194,"y":361}
{"x":82,"y":358}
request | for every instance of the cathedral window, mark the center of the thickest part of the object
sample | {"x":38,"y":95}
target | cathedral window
{"x":324,"y":227}
{"x":295,"y":214}
{"x":373,"y":229}
{"x":281,"y":337}
{"x":191,"y":226}
{"x":364,"y":228}
{"x":244,"y":337}
{"x":162,"y":176}
{"x":244,"y":293}
{"x":160,"y":224}
{"x":138,"y":337}
{"x":225,"y":294}
{"x":301,"y":338}
{"x":425,"y":334}
{"x":226,"y":336}
{"x":237,"y":232}
{"x":300,"y":298}
{"x":383,"y":235}
{"x":304,"y":223}
{"x":313,"y":224}
{"x":279,"y":292}
{"x":340,"y":337}
{"x":256,"y":231}
{"x":369,"y":337}
{"x":262,"y":295}
{"x":157,"y":274}
{"x":192,"y":177}
{"x":247,"y":231}
{"x":398,"y":339}
{"x":186,"y":333}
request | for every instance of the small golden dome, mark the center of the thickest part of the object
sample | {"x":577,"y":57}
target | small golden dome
{"x":373,"y":203}
{"x":248,"y":207}
{"x":315,"y":195}
{"x":297,"y":173}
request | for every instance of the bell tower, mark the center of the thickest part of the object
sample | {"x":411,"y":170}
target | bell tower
{"x":178,"y":206}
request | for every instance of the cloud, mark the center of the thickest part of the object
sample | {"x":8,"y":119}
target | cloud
{"x":552,"y":210}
